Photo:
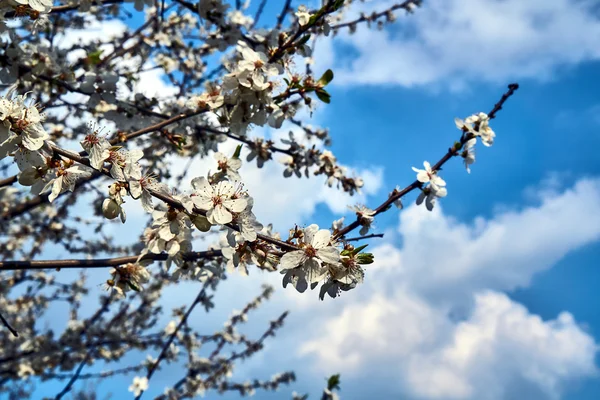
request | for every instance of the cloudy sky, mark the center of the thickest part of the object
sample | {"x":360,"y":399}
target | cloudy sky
{"x":492,"y":295}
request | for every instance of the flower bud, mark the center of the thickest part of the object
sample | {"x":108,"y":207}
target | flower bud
{"x":364,"y":258}
{"x":110,"y":209}
{"x":201,"y":223}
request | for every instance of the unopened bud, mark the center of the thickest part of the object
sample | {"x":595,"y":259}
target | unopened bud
{"x":201,"y":223}
{"x":110,"y":209}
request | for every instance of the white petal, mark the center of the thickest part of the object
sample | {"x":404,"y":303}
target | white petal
{"x":147,"y":202}
{"x":330,"y":255}
{"x":173,"y":248}
{"x":423,"y":176}
{"x":438,"y":181}
{"x":225,"y":188}
{"x":56,"y":188}
{"x":236,"y":205}
{"x":321,"y":239}
{"x":420,"y":198}
{"x":135,"y":189}
{"x":309,"y":232}
{"x":221,"y":215}
{"x":292,"y":259}
{"x":203,"y":203}
{"x":202,"y":187}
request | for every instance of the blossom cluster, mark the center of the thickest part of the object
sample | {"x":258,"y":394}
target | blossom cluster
{"x":23,"y":137}
{"x":472,"y":127}
{"x":319,"y":259}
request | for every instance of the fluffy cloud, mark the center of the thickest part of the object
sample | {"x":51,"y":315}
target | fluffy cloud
{"x":502,"y":253}
{"x":503,"y":346}
{"x":454,"y":42}
{"x":432,"y":315}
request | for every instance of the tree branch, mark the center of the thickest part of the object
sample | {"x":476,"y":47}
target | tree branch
{"x":8,"y":326}
{"x":183,"y":321}
{"x":416,"y":184}
{"x":99,"y":263}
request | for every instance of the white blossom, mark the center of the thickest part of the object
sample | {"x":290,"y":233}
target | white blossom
{"x":307,"y":263}
{"x":303,"y":15}
{"x":428,"y":175}
{"x":229,"y":166}
{"x":65,"y":180}
{"x":139,"y":385}
{"x":219,"y":201}
{"x":430,"y":194}
{"x":468,"y":153}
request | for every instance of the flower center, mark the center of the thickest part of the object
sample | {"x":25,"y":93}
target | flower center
{"x":92,"y":139}
{"x":310,"y":251}
{"x":222,"y":165}
{"x":217,"y":200}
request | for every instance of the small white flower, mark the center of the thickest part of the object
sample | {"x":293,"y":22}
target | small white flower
{"x":139,"y":385}
{"x":124,"y":163}
{"x":430,"y":194}
{"x":365,"y":216}
{"x":212,"y":99}
{"x":303,"y":15}
{"x":337,"y":224}
{"x":25,"y":370}
{"x":316,"y":250}
{"x":481,"y":122}
{"x":229,"y":166}
{"x":170,"y":328}
{"x":468,"y":153}
{"x":97,"y":147}
{"x":65,"y":180}
{"x":428,"y":175}
{"x":219,"y":201}
{"x":140,"y":188}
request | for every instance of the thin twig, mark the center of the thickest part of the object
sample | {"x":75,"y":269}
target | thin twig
{"x":183,"y":321}
{"x":7,"y":325}
{"x":373,"y":235}
{"x":258,"y":14}
{"x":281,"y":17}
{"x":416,"y":184}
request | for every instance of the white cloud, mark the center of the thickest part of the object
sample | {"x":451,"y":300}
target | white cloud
{"x":501,"y":346}
{"x":433,"y":316}
{"x":457,"y":41}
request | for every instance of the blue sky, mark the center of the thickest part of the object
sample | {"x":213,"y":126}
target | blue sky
{"x":492,"y":295}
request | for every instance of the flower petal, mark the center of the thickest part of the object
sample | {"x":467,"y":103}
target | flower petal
{"x":292,"y":259}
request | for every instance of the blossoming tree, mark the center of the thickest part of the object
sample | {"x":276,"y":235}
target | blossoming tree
{"x":78,"y":141}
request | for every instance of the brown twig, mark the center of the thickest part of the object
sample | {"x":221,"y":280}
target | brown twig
{"x":373,"y":235}
{"x":8,"y":326}
{"x":99,"y":263}
{"x":416,"y":184}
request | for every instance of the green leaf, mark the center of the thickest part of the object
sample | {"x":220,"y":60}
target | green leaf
{"x":134,"y":286}
{"x":304,"y":39}
{"x":238,"y":151}
{"x":358,"y":249}
{"x":324,"y":96}
{"x":333,"y":382}
{"x":338,"y":4}
{"x":313,"y":18}
{"x":365,"y":258}
{"x":326,"y":78}
{"x":94,"y":56}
